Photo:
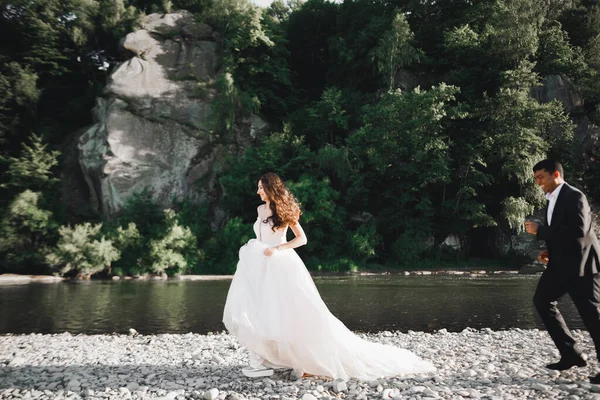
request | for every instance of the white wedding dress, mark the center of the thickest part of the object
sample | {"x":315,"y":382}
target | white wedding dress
{"x":275,"y":310}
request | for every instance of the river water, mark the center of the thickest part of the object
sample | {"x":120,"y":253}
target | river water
{"x":363,"y":303}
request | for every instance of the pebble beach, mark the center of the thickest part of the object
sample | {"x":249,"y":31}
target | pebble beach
{"x":482,"y":364}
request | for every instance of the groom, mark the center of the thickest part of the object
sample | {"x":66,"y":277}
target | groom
{"x":573,"y":261}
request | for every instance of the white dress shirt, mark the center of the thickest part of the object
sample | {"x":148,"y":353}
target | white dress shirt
{"x":552,"y":198}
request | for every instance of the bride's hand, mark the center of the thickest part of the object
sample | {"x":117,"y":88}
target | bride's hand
{"x":270,"y":251}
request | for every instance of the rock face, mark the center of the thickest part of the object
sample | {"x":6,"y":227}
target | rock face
{"x":152,"y":127}
{"x":556,"y":87}
{"x":586,"y":134}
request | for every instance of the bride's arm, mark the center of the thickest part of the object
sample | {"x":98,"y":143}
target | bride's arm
{"x":297,"y":241}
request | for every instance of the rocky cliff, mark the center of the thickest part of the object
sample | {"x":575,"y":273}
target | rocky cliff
{"x":153,"y":122}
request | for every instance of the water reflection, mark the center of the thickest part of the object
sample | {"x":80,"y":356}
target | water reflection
{"x":423,"y":303}
{"x":431,"y":303}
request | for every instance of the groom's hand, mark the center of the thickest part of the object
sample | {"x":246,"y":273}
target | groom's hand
{"x":531,"y":227}
{"x":543,"y":256}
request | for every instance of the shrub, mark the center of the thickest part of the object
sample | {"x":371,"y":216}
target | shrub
{"x":174,"y":251}
{"x":83,"y":250}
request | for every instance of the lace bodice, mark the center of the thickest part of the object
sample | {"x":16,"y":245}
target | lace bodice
{"x":265,"y":234}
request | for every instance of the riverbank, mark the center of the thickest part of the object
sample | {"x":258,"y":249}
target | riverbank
{"x":471,"y":364}
{"x":13,"y":279}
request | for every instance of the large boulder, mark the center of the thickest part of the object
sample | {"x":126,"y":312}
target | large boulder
{"x":153,"y":123}
{"x":127,"y":153}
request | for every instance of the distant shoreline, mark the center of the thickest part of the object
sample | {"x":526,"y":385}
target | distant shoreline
{"x":12,"y":279}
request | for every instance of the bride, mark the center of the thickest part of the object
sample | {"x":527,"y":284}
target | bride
{"x":275,"y":310}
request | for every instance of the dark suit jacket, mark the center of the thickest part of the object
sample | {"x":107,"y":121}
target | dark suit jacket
{"x":573,"y":247}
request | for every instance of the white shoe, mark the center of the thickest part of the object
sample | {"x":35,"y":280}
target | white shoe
{"x":268,"y":364}
{"x":259,"y":372}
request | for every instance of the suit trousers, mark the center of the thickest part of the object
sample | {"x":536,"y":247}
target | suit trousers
{"x":585,"y":293}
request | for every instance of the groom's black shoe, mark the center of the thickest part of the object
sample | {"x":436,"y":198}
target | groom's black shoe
{"x":568,"y":362}
{"x":595,"y":379}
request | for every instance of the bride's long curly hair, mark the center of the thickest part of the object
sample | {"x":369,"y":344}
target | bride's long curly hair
{"x":285,"y":208}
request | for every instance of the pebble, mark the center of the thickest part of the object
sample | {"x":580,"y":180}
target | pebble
{"x":472,"y":364}
{"x":211,"y":394}
{"x":339,"y":385}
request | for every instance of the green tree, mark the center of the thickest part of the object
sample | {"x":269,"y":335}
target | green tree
{"x":499,"y":36}
{"x":33,"y":169}
{"x":262,"y":71}
{"x":581,"y":21}
{"x":113,"y":20}
{"x":519,"y":133}
{"x":324,"y":121}
{"x":279,"y":10}
{"x":358,"y":29}
{"x":55,"y":57}
{"x":24,"y":231}
{"x":557,"y":56}
{"x":364,"y":241}
{"x":21,"y":94}
{"x":240,"y":22}
{"x":395,"y":50}
{"x":229,"y":107}
{"x":254,"y":63}
{"x":405,"y":160}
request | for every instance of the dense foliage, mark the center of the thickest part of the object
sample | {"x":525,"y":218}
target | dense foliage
{"x":395,"y":123}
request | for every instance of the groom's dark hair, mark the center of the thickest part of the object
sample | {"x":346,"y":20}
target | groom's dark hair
{"x":550,"y":166}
